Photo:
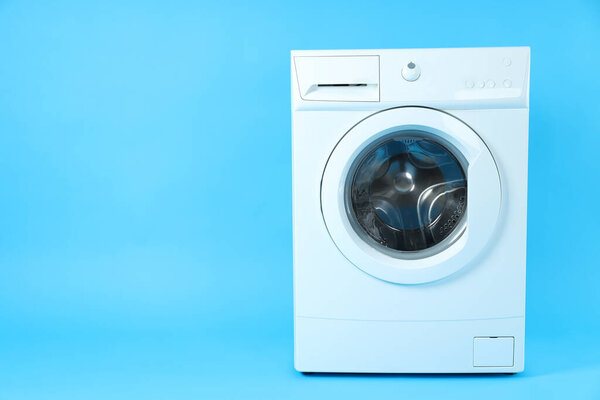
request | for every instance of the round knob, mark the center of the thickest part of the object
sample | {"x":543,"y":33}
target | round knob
{"x":411,"y":72}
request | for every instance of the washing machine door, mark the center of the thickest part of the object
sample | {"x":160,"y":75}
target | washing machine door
{"x":410,"y":195}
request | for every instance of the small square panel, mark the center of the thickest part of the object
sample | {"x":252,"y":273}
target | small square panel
{"x":493,"y":351}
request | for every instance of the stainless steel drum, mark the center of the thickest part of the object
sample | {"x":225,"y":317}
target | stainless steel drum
{"x":407,"y":192}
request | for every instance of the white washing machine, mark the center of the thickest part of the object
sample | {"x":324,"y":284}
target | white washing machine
{"x":410,"y":209}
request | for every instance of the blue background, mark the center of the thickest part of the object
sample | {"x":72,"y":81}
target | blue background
{"x":145,"y":208}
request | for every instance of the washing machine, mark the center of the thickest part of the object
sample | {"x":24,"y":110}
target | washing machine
{"x":410,"y":209}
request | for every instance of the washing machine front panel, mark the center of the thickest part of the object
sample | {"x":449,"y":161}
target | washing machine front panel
{"x":410,"y":195}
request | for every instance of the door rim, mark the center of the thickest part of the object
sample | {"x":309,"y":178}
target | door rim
{"x":483,"y":187}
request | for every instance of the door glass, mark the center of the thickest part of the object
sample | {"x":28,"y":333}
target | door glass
{"x":407,"y":193}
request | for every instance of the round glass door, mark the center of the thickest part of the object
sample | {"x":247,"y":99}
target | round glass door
{"x":410,"y":195}
{"x":407,"y":193}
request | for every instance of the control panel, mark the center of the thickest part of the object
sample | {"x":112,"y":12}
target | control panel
{"x":496,"y":77}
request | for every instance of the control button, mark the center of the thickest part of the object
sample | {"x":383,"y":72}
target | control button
{"x":481,"y":84}
{"x":411,"y":72}
{"x":491,"y":83}
{"x":507,"y":83}
{"x":469,"y":84}
{"x":507,"y":61}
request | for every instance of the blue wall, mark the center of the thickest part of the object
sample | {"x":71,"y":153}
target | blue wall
{"x":145,"y":193}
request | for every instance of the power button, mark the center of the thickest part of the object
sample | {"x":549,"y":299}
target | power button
{"x":411,"y":71}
